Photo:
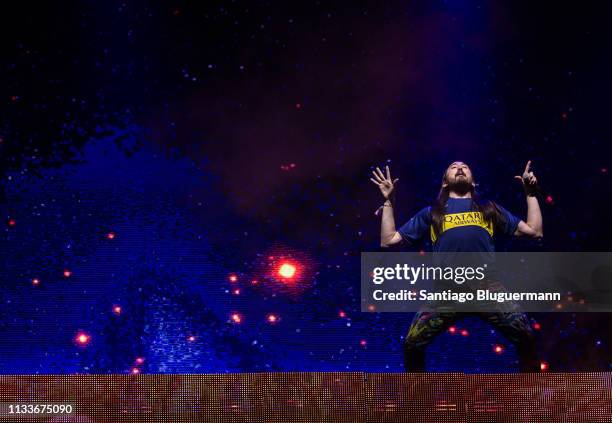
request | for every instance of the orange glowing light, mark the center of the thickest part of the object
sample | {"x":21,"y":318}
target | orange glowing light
{"x":287,"y":270}
{"x":82,"y":338}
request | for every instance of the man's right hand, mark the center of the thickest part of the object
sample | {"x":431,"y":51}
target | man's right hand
{"x":384,"y":183}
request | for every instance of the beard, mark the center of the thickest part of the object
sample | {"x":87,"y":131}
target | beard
{"x":460,"y":185}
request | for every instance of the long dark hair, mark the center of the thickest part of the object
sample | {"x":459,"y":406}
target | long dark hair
{"x":490,"y":211}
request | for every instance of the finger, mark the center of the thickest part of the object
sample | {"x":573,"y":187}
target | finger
{"x":382,"y":176}
{"x":527,"y":167}
{"x":395,"y":181}
{"x":375,"y":183}
{"x":519,"y":178}
{"x":377,"y":177}
{"x":388,"y":173}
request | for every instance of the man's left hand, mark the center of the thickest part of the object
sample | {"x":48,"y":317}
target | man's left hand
{"x":528,"y":179}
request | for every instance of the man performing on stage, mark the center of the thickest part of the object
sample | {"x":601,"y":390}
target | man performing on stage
{"x":458,"y":196}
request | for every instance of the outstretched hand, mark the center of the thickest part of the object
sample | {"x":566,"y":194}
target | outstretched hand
{"x":528,"y":179}
{"x":384,"y":182}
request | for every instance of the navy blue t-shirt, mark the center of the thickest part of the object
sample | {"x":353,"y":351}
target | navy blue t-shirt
{"x":464,"y":230}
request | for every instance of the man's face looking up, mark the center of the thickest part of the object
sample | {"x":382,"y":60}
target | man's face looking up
{"x":458,"y":178}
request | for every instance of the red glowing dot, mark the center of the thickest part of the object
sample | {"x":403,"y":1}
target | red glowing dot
{"x":464,"y":332}
{"x":233,"y":278}
{"x":67,"y":273}
{"x":254,"y":282}
{"x":135,"y":370}
{"x":543,"y":366}
{"x":236,"y":292}
{"x":422,"y":253}
{"x":191,"y":338}
{"x":499,"y":349}
{"x":110,"y":235}
{"x":272,"y":318}
{"x":604,"y":170}
{"x":139,"y":360}
{"x":549,"y":199}
{"x":452,"y":330}
{"x":117,"y":309}
{"x":371,"y":307}
{"x":236,"y":318}
{"x":35,"y":281}
{"x":341,"y":314}
{"x":14,"y":97}
{"x":363,"y":343}
{"x":537,"y":326}
{"x":298,"y":105}
{"x":287,"y":270}
{"x":82,"y":338}
{"x":12,"y":222}
{"x":564,"y":115}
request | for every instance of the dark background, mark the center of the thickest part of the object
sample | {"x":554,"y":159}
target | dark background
{"x":214,"y":139}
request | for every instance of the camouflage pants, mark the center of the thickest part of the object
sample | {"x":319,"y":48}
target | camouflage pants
{"x":426,"y":325}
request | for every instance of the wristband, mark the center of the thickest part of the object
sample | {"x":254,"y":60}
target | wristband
{"x":379,"y":210}
{"x":531,"y":190}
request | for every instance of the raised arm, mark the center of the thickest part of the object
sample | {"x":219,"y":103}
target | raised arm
{"x":532,"y":228}
{"x":388,"y":234}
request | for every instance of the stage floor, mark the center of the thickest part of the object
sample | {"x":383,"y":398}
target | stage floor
{"x":310,"y":397}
